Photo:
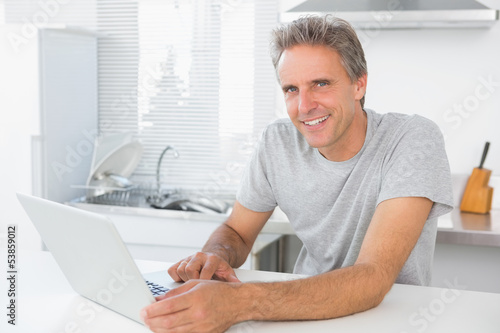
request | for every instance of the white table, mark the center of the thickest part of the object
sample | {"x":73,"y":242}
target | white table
{"x":46,"y":303}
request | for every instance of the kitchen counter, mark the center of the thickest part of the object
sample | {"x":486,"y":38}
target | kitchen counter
{"x":453,"y":228}
{"x":405,"y":308}
{"x":470,"y":229}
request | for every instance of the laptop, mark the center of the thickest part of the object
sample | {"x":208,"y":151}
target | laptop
{"x":91,"y":254}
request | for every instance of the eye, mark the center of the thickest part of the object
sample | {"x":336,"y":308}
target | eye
{"x":290,"y":89}
{"x":322,"y":84}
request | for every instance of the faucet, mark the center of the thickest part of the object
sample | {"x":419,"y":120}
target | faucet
{"x":176,"y":155}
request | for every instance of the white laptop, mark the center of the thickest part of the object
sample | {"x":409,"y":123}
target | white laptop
{"x":92,"y":256}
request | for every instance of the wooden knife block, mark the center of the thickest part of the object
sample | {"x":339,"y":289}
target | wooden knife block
{"x":477,"y":195}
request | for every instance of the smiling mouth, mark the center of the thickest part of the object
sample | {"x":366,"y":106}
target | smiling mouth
{"x":316,"y":121}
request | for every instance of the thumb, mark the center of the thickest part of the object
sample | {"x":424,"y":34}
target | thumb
{"x":227,"y":276}
{"x":232,"y":278}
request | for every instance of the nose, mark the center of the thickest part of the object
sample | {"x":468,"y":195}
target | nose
{"x":307,"y":101}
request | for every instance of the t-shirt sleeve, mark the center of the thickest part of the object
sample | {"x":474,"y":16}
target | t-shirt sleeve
{"x":417,"y":166}
{"x":255,"y":191}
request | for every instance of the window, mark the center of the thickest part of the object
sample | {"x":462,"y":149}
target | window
{"x":195,"y":75}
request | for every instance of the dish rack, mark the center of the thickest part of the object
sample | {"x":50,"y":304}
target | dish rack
{"x":138,"y":195}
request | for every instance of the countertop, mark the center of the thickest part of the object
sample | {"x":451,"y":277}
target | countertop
{"x":453,"y":228}
{"x":470,"y":229}
{"x":46,"y":303}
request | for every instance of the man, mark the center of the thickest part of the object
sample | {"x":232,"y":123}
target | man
{"x":362,"y":191}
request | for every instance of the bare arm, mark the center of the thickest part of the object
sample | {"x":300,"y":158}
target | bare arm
{"x":393,"y":232}
{"x":213,"y":306}
{"x":227,"y":247}
{"x":234,"y":239}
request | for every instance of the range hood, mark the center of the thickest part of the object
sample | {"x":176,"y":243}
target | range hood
{"x":397,"y":14}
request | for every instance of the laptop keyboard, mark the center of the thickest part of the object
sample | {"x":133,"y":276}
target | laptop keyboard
{"x":156,"y":289}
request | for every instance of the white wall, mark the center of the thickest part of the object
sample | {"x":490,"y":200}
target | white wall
{"x":436,"y":73}
{"x":451,"y":76}
{"x":19,"y":98}
{"x":19,"y":109}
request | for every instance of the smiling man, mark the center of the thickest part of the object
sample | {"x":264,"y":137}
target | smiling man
{"x":362,"y":191}
{"x":321,"y":100}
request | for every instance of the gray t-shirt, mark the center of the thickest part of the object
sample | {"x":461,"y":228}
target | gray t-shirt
{"x":330,"y":204}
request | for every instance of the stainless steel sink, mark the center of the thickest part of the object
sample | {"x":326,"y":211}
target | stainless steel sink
{"x":189,"y":201}
{"x":146,"y":196}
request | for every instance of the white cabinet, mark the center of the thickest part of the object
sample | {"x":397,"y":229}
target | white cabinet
{"x":469,"y":267}
{"x":171,"y":239}
{"x":162,"y":239}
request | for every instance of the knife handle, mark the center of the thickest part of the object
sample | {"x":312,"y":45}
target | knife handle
{"x":485,"y":152}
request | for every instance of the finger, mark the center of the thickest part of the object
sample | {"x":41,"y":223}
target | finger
{"x":172,"y":309}
{"x":193,"y":268}
{"x":226,"y":274}
{"x":181,"y":271}
{"x":226,"y":277}
{"x":166,"y":306}
{"x":168,"y":313}
{"x":172,"y":271}
{"x":209,"y":269}
{"x":207,"y":272}
{"x":177,"y":322}
{"x":232,"y":278}
{"x":215,"y":267}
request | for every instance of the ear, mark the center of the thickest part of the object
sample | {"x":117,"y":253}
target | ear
{"x":360,"y":87}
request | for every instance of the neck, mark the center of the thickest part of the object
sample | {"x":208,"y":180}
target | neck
{"x":352,"y":140}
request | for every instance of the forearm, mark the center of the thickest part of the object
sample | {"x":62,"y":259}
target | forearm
{"x":334,"y":294}
{"x":227,"y":243}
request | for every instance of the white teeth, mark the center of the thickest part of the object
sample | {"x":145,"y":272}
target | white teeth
{"x":316,"y":121}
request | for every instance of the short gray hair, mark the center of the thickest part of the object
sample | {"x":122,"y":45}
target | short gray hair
{"x":328,"y":31}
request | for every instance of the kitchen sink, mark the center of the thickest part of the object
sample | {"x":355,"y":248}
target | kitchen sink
{"x":144,"y":197}
{"x":189,"y":201}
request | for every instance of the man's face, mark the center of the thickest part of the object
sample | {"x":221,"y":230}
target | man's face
{"x":320,"y":98}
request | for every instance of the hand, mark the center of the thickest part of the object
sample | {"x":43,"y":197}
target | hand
{"x":204,"y":266}
{"x":196,"y":306}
